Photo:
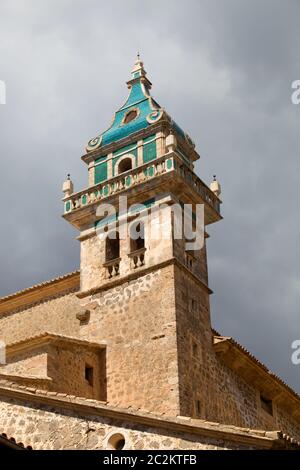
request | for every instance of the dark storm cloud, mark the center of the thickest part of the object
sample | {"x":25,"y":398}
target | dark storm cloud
{"x":223,"y":70}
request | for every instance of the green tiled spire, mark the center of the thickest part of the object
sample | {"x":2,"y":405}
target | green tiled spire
{"x":138,"y":112}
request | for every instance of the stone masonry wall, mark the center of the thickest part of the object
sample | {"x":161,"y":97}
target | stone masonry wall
{"x":94,"y":273}
{"x":208,"y":388}
{"x":54,"y":315}
{"x":48,"y":428}
{"x":63,"y":366}
{"x":66,"y":366}
{"x":159,"y":350}
{"x":28,"y":363}
{"x":137,"y":321}
{"x":197,"y":258}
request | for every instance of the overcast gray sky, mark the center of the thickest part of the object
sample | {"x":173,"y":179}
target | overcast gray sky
{"x":223,"y":70}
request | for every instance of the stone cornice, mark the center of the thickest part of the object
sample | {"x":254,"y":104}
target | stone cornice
{"x":87,"y":407}
{"x":42,"y":339}
{"x":138,"y":273}
{"x":26,"y":379}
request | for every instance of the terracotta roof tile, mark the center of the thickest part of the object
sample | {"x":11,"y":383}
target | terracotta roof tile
{"x":11,"y":441}
{"x":218,"y":337}
{"x":38,"y":286}
{"x":273,"y":436}
{"x":48,"y":336}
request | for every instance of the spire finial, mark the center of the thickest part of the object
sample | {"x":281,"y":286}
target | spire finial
{"x":215,"y":186}
{"x":138,"y":69}
{"x":139,"y":74}
{"x":68,"y":187}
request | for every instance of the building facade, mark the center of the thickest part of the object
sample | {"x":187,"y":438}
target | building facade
{"x":122,"y":354}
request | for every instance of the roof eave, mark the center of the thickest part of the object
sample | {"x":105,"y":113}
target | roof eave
{"x":253,"y":371}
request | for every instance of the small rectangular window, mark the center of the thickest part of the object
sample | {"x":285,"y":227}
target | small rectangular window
{"x":184,"y":296}
{"x":189,"y":260}
{"x":266,"y":405}
{"x":198,"y":408}
{"x":89,"y":374}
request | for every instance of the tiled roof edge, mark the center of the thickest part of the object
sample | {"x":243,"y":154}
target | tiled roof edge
{"x":267,"y":439}
{"x":40,"y":285}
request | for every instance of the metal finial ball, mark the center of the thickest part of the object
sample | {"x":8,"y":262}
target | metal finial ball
{"x":68,"y":176}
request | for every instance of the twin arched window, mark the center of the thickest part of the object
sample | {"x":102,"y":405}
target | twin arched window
{"x":137,"y":241}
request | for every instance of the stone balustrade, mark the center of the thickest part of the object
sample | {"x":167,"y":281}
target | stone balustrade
{"x":197,"y":184}
{"x":112,"y":267}
{"x":168,"y":163}
{"x":137,"y":258}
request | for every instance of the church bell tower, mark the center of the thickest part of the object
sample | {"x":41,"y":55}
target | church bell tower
{"x":147,"y":296}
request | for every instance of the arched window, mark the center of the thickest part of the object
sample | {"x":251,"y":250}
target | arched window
{"x":137,"y":236}
{"x":125,"y":165}
{"x":112,"y":247}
